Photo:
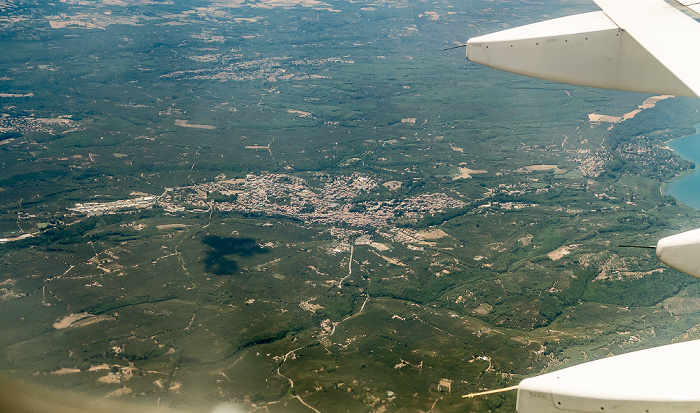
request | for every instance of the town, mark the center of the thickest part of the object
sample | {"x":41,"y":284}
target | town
{"x":288,"y":196}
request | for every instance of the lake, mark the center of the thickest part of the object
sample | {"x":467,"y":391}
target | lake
{"x":686,"y":189}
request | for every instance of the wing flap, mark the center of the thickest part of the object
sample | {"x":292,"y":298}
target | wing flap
{"x":620,"y":48}
{"x":664,"y":31}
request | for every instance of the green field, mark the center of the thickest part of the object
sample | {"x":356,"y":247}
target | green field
{"x":297,"y":206}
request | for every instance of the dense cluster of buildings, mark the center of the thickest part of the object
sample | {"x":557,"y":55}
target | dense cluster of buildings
{"x":268,"y":68}
{"x":26,"y":124}
{"x":330,"y":202}
{"x":324,"y":199}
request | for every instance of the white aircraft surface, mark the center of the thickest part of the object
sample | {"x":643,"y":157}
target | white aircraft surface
{"x":635,"y":45}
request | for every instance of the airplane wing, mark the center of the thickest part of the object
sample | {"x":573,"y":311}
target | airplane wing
{"x":635,"y":45}
{"x":660,"y":379}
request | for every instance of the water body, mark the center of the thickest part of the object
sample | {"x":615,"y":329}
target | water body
{"x":686,"y":189}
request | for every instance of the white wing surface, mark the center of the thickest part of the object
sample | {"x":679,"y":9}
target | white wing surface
{"x":636,"y":45}
{"x":681,"y":251}
{"x":662,"y":379}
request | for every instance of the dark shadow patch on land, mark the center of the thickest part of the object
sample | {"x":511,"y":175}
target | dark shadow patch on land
{"x":217,"y":259}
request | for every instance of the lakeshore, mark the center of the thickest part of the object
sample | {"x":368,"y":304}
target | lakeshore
{"x":684,"y":187}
